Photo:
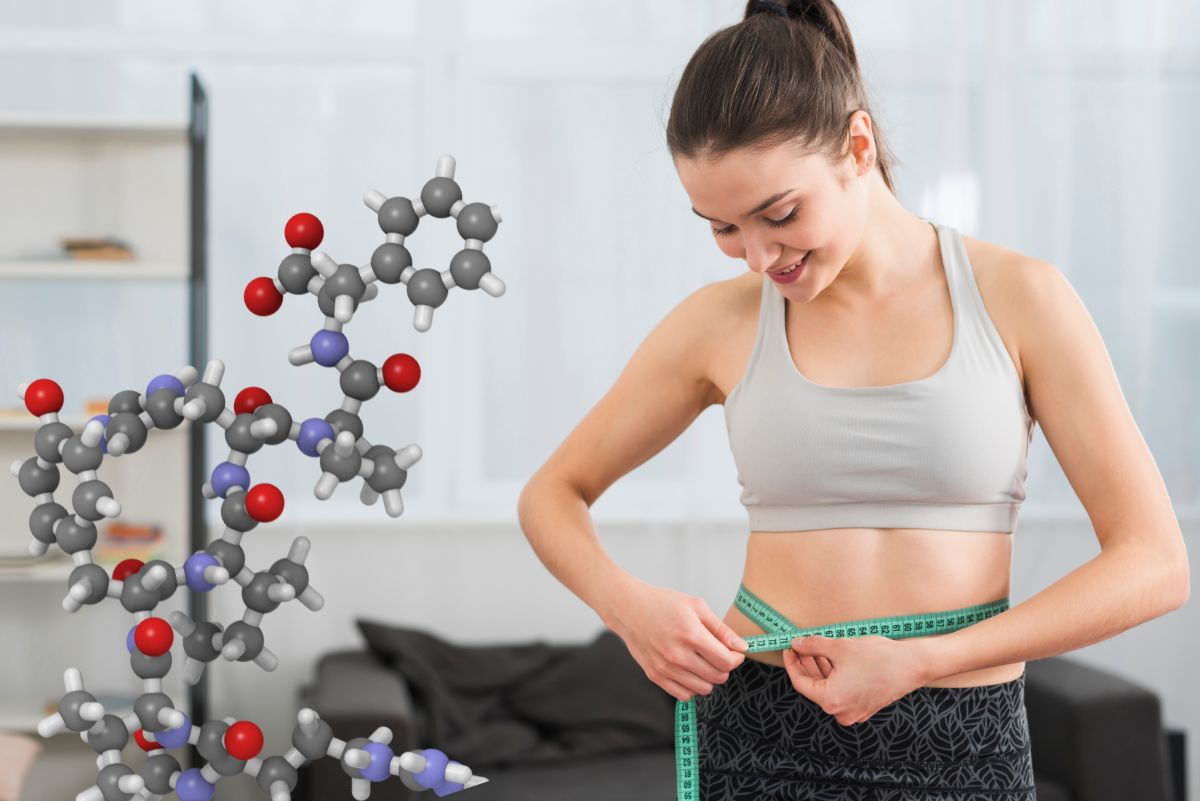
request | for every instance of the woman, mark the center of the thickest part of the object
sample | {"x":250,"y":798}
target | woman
{"x":881,"y":375}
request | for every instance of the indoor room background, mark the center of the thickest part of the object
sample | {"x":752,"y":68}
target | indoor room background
{"x":1065,"y":130}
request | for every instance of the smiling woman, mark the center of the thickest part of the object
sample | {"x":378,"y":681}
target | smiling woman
{"x":881,"y":375}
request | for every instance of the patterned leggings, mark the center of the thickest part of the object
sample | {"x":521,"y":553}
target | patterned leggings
{"x":755,"y":738}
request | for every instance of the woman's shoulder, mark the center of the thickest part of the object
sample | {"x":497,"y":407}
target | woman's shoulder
{"x":1006,"y":278}
{"x":720,"y":308}
{"x":721,"y":319}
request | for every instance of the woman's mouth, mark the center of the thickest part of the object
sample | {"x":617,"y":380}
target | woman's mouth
{"x":791,"y":274}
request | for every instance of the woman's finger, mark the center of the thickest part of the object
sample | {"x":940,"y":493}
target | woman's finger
{"x":678,"y":691}
{"x":791,"y":664}
{"x":692,"y":683}
{"x":811,"y":668}
{"x":718,"y":643}
{"x":703,"y":669}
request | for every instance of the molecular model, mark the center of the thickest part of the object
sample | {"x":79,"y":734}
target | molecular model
{"x":341,"y":287}
{"x":229,"y":746}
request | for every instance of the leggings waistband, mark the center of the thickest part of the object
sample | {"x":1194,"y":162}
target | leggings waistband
{"x":781,"y":631}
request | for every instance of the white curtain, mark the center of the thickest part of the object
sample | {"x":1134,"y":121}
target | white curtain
{"x":1064,"y":130}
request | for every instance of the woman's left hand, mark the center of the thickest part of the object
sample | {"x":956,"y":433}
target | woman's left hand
{"x":868,"y":673}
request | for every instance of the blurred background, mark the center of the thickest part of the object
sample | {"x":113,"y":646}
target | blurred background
{"x":1063,"y":130}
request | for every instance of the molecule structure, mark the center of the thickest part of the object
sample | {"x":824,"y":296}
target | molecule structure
{"x":231,"y":747}
{"x":341,"y":287}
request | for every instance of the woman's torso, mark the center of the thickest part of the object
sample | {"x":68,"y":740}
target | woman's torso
{"x":825,"y":576}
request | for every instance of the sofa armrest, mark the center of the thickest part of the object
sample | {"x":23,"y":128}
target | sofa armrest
{"x":1096,"y":732}
{"x":356,"y":694}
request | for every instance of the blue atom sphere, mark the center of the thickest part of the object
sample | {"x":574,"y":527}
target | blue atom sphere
{"x":103,"y":418}
{"x":193,"y":571}
{"x":177,"y":737}
{"x":329,"y":347}
{"x":381,"y":760}
{"x":228,"y":475}
{"x":165,"y":382}
{"x":312,"y":431}
{"x":435,"y":768}
{"x":192,"y":786}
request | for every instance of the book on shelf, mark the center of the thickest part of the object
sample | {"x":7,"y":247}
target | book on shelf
{"x":115,"y":702}
{"x":122,"y":540}
{"x":88,"y":247}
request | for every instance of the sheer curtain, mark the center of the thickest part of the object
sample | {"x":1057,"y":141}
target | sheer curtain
{"x":1063,"y":130}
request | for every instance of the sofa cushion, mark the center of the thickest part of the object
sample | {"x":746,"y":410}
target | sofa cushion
{"x":598,"y":699}
{"x":1045,"y":788}
{"x":646,"y":775}
{"x":528,"y":702}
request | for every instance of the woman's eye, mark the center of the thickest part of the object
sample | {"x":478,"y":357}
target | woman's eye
{"x":729,"y":229}
{"x":780,"y":223}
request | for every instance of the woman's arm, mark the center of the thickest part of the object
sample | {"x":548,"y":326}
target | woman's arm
{"x":662,"y":389}
{"x":556,"y":522}
{"x":1142,"y":570}
{"x":1114,"y":591}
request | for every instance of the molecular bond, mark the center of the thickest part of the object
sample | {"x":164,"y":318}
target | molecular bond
{"x":229,"y":746}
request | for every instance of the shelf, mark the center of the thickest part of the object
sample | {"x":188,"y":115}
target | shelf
{"x":58,"y":567}
{"x":89,"y":126}
{"x":27,"y":422}
{"x":140,"y":178}
{"x":44,"y":570}
{"x":20,"y":718}
{"x":25,"y":718}
{"x":12,"y":422}
{"x":92,"y":269}
{"x":36,"y":571}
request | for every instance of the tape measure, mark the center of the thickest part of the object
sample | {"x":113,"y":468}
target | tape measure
{"x":779,"y":635}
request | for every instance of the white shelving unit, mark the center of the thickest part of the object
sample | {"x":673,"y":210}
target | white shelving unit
{"x":75,"y":269}
{"x":132,"y":179}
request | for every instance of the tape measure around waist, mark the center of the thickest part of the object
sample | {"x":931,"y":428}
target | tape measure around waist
{"x":781,"y":631}
{"x":779,"y":636}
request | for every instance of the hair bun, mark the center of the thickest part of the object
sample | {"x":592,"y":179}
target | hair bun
{"x":766,"y":7}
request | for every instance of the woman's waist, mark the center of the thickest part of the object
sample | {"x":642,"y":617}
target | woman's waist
{"x":819,"y":577}
{"x":768,"y":631}
{"x":766,"y":617}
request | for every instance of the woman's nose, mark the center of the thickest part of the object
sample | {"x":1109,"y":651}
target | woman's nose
{"x":760,"y":253}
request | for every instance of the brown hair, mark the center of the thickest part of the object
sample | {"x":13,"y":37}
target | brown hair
{"x":787,"y":71}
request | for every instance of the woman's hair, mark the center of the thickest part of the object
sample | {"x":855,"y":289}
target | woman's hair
{"x":786,"y":72}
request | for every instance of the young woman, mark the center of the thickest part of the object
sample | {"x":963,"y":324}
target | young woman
{"x":881,"y":375}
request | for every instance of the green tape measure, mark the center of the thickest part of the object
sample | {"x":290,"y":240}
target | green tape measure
{"x":779,"y":635}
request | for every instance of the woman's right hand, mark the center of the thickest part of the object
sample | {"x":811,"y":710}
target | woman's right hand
{"x":680,"y":644}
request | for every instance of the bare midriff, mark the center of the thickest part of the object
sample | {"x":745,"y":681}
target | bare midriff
{"x":814,"y":578}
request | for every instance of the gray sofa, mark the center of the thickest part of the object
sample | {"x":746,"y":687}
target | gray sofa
{"x":1096,"y":737}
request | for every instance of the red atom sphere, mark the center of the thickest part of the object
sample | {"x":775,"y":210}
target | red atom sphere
{"x":126,"y":568}
{"x":262,"y":297}
{"x":144,"y":743}
{"x":43,"y":397}
{"x":243,"y":740}
{"x":250,"y":399}
{"x":303,"y":230}
{"x":264,"y":502}
{"x":401,"y":372}
{"x":153,"y":636}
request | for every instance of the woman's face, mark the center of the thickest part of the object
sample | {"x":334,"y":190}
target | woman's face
{"x":776,"y":207}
